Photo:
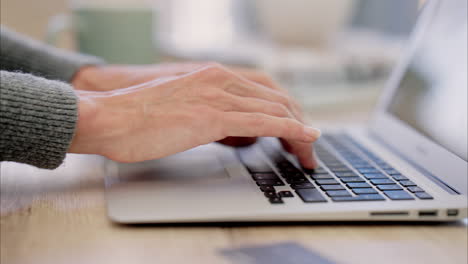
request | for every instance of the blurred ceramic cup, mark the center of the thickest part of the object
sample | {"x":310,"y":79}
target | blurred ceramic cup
{"x":120,"y":31}
{"x":306,"y":23}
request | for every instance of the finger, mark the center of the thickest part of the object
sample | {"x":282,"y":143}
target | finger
{"x":234,"y":103}
{"x":303,"y":152}
{"x":246,"y":88}
{"x":265,"y":80}
{"x":240,"y":124}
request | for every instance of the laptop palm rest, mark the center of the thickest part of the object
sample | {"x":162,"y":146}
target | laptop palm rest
{"x":179,"y":188}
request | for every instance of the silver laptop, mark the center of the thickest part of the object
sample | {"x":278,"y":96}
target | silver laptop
{"x":408,"y":164}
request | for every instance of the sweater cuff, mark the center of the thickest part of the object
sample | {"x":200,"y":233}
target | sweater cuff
{"x":19,"y":53}
{"x":37,"y":119}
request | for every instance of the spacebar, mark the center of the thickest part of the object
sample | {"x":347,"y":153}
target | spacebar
{"x":311,"y":195}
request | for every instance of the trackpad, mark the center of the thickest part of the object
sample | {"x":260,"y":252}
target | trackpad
{"x":198,"y":164}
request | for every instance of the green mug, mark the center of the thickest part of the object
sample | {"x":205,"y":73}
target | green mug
{"x":118,"y":35}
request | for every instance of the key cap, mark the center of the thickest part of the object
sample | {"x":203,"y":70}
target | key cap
{"x":345,"y":174}
{"x":374,"y":176}
{"x":368,"y":170}
{"x":392,"y":171}
{"x":364,"y":190}
{"x":399,"y":177}
{"x":270,"y":182}
{"x":362,"y":197}
{"x":398,"y":195}
{"x":285,"y":194}
{"x":306,"y":185}
{"x":423,"y":196}
{"x":382,"y":181}
{"x":267,"y":188}
{"x":407,"y":183}
{"x":338,"y":193}
{"x":415,"y":189}
{"x":265,"y":176}
{"x":344,"y":169}
{"x":276,"y":200}
{"x":311,"y":195}
{"x":270,"y":194}
{"x":352,"y":179}
{"x":332,"y":187}
{"x":321,"y":176}
{"x":389,"y":187}
{"x":326,"y":182}
{"x":297,"y":180}
{"x":358,"y":185}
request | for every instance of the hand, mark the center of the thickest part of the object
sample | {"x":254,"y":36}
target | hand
{"x":111,"y":77}
{"x":172,"y":114}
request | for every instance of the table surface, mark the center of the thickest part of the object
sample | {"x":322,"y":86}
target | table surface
{"x":60,"y":217}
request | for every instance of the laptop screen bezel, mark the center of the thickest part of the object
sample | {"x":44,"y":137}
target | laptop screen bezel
{"x":441,"y":163}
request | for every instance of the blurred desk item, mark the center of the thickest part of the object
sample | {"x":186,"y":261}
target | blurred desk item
{"x":59,"y":217}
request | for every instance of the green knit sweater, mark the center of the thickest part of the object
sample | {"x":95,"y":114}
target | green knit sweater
{"x":38,"y":107}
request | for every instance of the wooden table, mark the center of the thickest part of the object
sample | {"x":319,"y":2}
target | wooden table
{"x":60,"y":217}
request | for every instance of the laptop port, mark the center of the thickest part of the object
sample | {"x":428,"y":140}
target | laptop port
{"x":397,"y":213}
{"x":452,"y":212}
{"x":427,"y":213}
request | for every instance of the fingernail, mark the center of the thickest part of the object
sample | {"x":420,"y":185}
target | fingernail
{"x":312,"y":133}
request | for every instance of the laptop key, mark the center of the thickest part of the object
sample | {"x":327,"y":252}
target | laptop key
{"x":338,"y":193}
{"x":362,"y":197}
{"x":364,"y":191}
{"x":311,"y":195}
{"x":407,"y":183}
{"x":415,"y":189}
{"x":358,"y":185}
{"x":267,"y":188}
{"x":345,"y":174}
{"x":343,"y":169}
{"x":285,"y":194}
{"x":306,"y":185}
{"x":276,"y":200}
{"x":352,"y":179}
{"x":265,"y":176}
{"x":270,"y":194}
{"x":389,"y":187}
{"x":321,"y":176}
{"x":374,"y":176}
{"x":399,"y":177}
{"x":368,"y":170}
{"x":392,"y":171}
{"x":332,"y":187}
{"x":270,"y":182}
{"x":423,"y":196}
{"x":326,"y":182}
{"x":381,"y":181}
{"x":398,"y":195}
{"x":297,"y":180}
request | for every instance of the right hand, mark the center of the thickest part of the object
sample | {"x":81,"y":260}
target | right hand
{"x":172,"y":114}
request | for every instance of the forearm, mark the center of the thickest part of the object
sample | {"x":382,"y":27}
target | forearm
{"x":21,"y":54}
{"x":37,"y":119}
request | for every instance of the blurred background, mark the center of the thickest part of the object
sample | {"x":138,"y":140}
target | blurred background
{"x":328,"y":53}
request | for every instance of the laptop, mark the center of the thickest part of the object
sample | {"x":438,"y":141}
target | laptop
{"x":408,"y":164}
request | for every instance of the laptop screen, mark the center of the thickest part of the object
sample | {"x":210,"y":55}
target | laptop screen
{"x":432,"y":95}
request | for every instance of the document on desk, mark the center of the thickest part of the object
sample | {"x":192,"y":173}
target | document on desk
{"x":279,"y":253}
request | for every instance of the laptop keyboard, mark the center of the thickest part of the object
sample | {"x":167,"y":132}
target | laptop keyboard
{"x":349,"y":173}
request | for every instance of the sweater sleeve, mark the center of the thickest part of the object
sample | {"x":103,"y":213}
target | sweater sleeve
{"x":21,"y":54}
{"x":37,"y":119}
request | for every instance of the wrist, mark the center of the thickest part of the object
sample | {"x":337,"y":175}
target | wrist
{"x":87,"y":130}
{"x":87,"y":78}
